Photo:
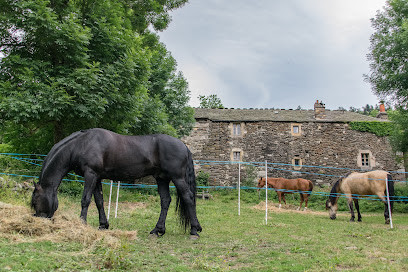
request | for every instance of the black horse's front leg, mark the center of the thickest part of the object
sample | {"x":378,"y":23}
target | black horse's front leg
{"x":165,"y":199}
{"x":89,"y":187}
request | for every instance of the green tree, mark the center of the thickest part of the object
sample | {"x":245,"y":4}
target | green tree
{"x":210,"y":102}
{"x":399,"y":135}
{"x":71,"y":65}
{"x":388,"y":53}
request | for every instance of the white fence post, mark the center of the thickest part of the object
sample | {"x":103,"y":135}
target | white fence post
{"x":110,"y":198}
{"x":239,"y":188}
{"x":266,"y":192}
{"x":388,"y":200}
{"x":117,"y":200}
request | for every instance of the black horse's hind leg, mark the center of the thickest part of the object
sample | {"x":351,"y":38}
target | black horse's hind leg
{"x":189,"y":201}
{"x":358,"y":209}
{"x":165,"y":199}
{"x":89,"y":187}
{"x":98,"y":195}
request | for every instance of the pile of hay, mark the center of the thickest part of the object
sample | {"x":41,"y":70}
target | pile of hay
{"x":18,"y":224}
{"x":288,"y":208}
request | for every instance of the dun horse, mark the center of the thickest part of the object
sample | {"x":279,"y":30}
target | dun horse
{"x":98,"y":154}
{"x":355,"y":185}
{"x":284,"y":186}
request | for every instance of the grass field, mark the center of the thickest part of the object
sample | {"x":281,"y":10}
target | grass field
{"x":291,"y":241}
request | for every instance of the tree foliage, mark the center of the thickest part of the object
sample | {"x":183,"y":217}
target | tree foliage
{"x":71,"y":65}
{"x":399,"y":135}
{"x":210,"y":102}
{"x":388,"y":53}
{"x":377,"y":128}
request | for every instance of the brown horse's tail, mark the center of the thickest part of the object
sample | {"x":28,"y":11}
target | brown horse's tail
{"x":310,"y":188}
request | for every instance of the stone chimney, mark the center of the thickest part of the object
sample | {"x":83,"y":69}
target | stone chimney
{"x":319,"y":110}
{"x":382,"y":114}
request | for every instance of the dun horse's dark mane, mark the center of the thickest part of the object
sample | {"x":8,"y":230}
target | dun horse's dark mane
{"x":335,"y":188}
{"x":55,"y":150}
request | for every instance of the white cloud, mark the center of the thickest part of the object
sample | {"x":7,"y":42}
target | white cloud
{"x":275,"y":53}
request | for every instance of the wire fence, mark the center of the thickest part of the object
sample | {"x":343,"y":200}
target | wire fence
{"x":35,"y":160}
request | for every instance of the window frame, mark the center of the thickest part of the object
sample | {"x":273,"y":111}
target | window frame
{"x":299,"y":165}
{"x":234,"y":151}
{"x":236,"y":129}
{"x":299,"y":129}
{"x":365,"y":160}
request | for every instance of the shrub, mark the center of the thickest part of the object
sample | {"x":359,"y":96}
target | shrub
{"x":202,"y":178}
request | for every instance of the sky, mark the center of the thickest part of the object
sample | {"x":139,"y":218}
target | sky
{"x":275,"y":53}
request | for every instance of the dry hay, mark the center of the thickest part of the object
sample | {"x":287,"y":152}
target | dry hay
{"x":274,"y":207}
{"x":19,"y":225}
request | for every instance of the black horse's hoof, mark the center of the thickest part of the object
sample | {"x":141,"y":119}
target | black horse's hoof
{"x":194,"y":237}
{"x":104,"y":227}
{"x":387,"y":221}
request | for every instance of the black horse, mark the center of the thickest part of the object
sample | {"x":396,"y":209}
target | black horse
{"x":98,"y":154}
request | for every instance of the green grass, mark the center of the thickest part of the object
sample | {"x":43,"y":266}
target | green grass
{"x":290,"y":242}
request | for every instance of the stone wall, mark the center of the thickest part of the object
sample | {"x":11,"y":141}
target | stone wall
{"x":323,"y":144}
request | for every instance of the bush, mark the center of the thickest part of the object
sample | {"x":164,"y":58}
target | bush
{"x":72,"y":188}
{"x":202,"y":178}
{"x":250,"y":176}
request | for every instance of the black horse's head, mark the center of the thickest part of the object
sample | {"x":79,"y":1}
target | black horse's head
{"x":44,"y":204}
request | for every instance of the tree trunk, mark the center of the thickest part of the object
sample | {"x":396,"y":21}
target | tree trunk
{"x":58,"y":131}
{"x":405,"y":156}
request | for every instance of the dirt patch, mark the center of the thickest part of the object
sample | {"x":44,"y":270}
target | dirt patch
{"x":18,"y":224}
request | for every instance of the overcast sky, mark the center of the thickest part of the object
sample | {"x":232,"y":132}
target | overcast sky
{"x":270,"y":53}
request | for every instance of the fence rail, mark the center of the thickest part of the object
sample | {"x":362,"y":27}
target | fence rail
{"x":28,"y":158}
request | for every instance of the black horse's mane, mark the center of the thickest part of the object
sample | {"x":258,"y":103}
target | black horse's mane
{"x":54,"y":152}
{"x":335,"y":189}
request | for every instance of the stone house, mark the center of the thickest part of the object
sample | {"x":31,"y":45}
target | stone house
{"x":314,"y":144}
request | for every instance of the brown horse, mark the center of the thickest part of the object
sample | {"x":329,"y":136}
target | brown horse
{"x":284,"y":186}
{"x":356,"y":185}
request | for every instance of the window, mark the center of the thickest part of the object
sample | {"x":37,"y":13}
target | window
{"x":296,"y":129}
{"x":365,"y":159}
{"x":236,"y":129}
{"x":297,"y":163}
{"x":236,"y":156}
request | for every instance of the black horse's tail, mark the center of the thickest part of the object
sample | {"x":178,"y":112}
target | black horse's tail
{"x":181,"y":205}
{"x":390,"y":184}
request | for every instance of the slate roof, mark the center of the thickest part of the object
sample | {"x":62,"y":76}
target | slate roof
{"x":280,"y":115}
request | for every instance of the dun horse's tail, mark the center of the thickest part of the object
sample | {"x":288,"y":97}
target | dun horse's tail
{"x":181,"y":206}
{"x":390,"y":182}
